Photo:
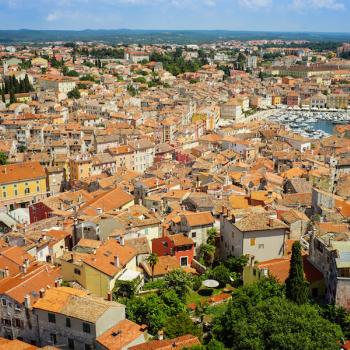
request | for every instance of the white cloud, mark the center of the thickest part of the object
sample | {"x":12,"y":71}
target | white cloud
{"x":254,"y":4}
{"x":318,"y":4}
{"x":53,"y":16}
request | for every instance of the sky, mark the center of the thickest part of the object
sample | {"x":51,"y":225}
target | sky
{"x":251,"y":15}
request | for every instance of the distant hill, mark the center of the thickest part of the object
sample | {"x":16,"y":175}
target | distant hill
{"x":157,"y":36}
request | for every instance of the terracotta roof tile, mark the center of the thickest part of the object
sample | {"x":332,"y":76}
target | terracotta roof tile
{"x":169,"y":344}
{"x":21,"y":172}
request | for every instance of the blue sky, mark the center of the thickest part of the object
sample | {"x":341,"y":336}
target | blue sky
{"x":270,"y":15}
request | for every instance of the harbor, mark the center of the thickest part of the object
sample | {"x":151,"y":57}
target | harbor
{"x":311,"y":124}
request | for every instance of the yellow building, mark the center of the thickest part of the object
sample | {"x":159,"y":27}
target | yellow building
{"x":338,"y":101}
{"x":79,"y":168}
{"x":97,"y":269}
{"x":276,"y":100}
{"x":22,"y":184}
{"x":40,"y":62}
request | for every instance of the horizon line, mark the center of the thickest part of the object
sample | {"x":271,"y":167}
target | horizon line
{"x":178,"y":30}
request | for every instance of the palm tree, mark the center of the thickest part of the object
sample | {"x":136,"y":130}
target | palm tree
{"x":207,"y":251}
{"x":152,"y":260}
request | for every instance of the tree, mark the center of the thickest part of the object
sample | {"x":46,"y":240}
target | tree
{"x":235,"y":264}
{"x":125,"y":289}
{"x":297,"y":288}
{"x":154,"y":310}
{"x":207,"y":253}
{"x":148,"y":310}
{"x":181,"y":324}
{"x":71,"y":73}
{"x":221,"y":274}
{"x":215,"y":345}
{"x":3,"y":158}
{"x":152,"y":261}
{"x":21,"y":148}
{"x":212,"y":233}
{"x":179,"y":281}
{"x":12,"y":96}
{"x":276,"y":323}
{"x":338,"y":315}
{"x":75,"y":93}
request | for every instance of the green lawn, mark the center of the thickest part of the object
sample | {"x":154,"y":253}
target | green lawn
{"x":197,"y":298}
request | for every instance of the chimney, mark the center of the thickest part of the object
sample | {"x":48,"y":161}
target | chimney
{"x":23,"y":268}
{"x":270,"y":222}
{"x":160,"y":335}
{"x":122,"y":241}
{"x":6,"y":272}
{"x":116,"y":261}
{"x":27,"y":301}
{"x":109,"y":296}
{"x":57,"y":283}
{"x":42,"y":292}
{"x":99,"y":211}
{"x":26,"y":262}
{"x":164,"y":231}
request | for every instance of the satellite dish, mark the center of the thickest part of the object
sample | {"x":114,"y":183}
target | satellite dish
{"x":211,"y":283}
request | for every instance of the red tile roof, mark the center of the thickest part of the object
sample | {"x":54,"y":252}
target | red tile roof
{"x":170,"y":344}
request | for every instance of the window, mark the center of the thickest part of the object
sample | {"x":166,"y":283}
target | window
{"x":16,"y":193}
{"x":3,"y":301}
{"x":194,"y":234}
{"x":4,"y":194}
{"x":184,"y":261}
{"x":70,"y":343}
{"x":252,"y":242}
{"x":53,"y":338}
{"x":6,"y":322}
{"x":68,"y":324}
{"x":86,"y":328}
{"x":261,"y":246}
{"x":38,"y":189}
{"x":18,"y":323}
{"x":51,"y":318}
{"x":27,"y":191}
{"x":77,"y":271}
{"x":88,"y":347}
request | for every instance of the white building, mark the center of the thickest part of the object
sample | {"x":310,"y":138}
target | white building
{"x":256,"y":235}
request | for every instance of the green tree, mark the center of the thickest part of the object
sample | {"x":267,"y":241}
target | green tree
{"x":125,"y":289}
{"x":179,"y":281}
{"x":3,"y":158}
{"x":215,"y":345}
{"x":132,"y":90}
{"x":338,"y":315}
{"x":221,"y":274}
{"x":152,"y":261}
{"x":181,"y":324}
{"x":236,"y":264}
{"x":276,"y":323}
{"x":154,"y":310}
{"x":72,"y":73}
{"x":21,"y":148}
{"x":172,"y":302}
{"x":12,"y":96}
{"x":149,"y":310}
{"x":207,"y":253}
{"x":297,"y":288}
{"x":212,"y":234}
{"x":75,"y":93}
